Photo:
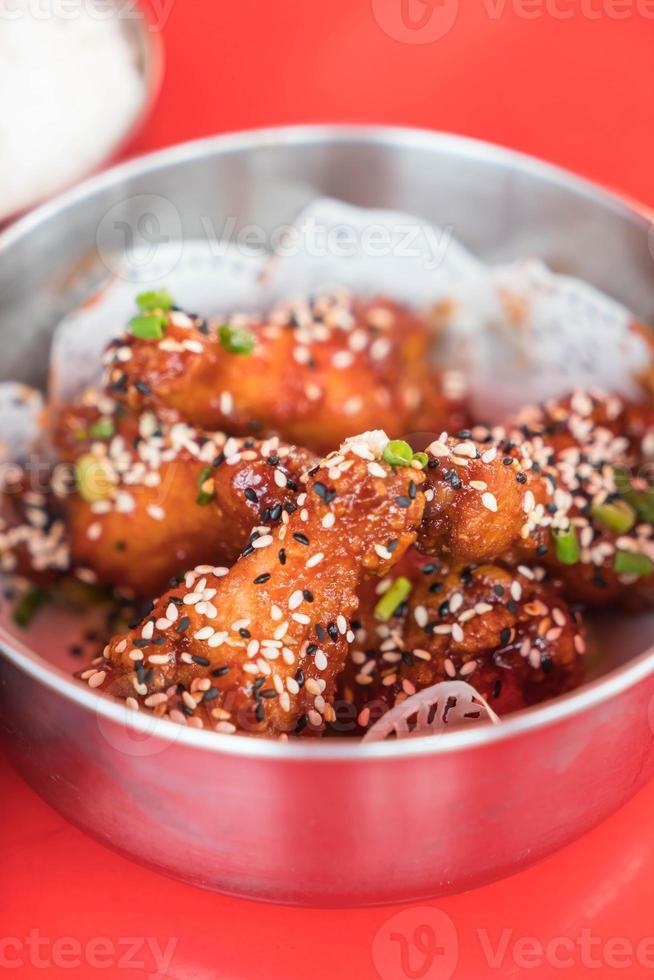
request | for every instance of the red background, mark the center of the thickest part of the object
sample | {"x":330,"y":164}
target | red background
{"x":576,"y":90}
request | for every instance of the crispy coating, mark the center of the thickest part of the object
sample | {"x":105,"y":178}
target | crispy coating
{"x":150,"y":507}
{"x":316,"y":374}
{"x":507,"y":632}
{"x":516,"y":492}
{"x":33,"y":538}
{"x":257,"y":648}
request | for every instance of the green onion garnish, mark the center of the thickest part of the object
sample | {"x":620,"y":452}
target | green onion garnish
{"x":394,"y":596}
{"x":567,"y":546}
{"x":398,"y":453}
{"x":236,"y":339}
{"x":206,"y":487}
{"x":158,"y":299}
{"x":618,"y":516}
{"x":149,"y":326}
{"x":102,"y":429}
{"x":630,"y":563}
{"x":421,"y":458}
{"x":640,"y":501}
{"x":28,"y":606}
{"x":93,"y":481}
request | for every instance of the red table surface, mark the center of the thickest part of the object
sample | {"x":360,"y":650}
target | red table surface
{"x":568,"y":80}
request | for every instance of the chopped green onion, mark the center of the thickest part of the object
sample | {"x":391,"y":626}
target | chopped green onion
{"x":158,"y":299}
{"x":150,"y":326}
{"x":618,"y":516}
{"x":398,"y":453}
{"x":394,"y":596}
{"x":630,"y":563}
{"x":102,"y":429}
{"x":421,"y":458}
{"x":567,"y":546}
{"x":93,"y":481}
{"x":28,"y":606}
{"x":206,"y":487}
{"x":236,"y":340}
{"x":641,"y":501}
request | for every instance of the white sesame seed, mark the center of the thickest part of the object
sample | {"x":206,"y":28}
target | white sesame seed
{"x":314,"y":560}
{"x":320,"y":660}
{"x":421,"y":616}
{"x":263,"y":541}
{"x":489,"y":502}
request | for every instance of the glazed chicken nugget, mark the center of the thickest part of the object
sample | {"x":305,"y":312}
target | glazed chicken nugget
{"x":506,"y":631}
{"x":312,"y":372}
{"x":257,"y":648}
{"x":33,"y":538}
{"x":570,"y":486}
{"x":148,"y":508}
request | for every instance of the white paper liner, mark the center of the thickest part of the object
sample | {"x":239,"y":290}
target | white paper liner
{"x":21,"y":411}
{"x":518,"y":332}
{"x":432,"y":711}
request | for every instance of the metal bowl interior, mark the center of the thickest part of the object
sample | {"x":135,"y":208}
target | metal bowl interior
{"x":332,"y":810}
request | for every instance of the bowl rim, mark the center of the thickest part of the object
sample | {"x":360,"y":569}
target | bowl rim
{"x":560,"y":709}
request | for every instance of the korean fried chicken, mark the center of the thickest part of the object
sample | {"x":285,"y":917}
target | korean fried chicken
{"x":313,"y":373}
{"x":506,"y":631}
{"x":257,"y":648}
{"x":567,"y":486}
{"x":147,"y":508}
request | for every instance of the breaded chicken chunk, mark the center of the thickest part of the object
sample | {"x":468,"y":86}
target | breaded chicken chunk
{"x":148,"y":507}
{"x":257,"y":648}
{"x":312,"y":372}
{"x":506,"y":631}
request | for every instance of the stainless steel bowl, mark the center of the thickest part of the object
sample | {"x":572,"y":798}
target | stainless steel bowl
{"x":323,"y":823}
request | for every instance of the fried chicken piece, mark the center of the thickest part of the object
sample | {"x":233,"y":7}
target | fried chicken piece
{"x":539,"y":492}
{"x":257,"y":648}
{"x":506,"y":631}
{"x":33,"y":539}
{"x":313,"y":373}
{"x":151,"y":506}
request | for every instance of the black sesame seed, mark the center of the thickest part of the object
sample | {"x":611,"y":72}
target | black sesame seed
{"x":412,"y":490}
{"x":244,"y":633}
{"x":250,"y":495}
{"x":301,"y":538}
{"x":498,"y":590}
{"x":210,"y":694}
{"x":268,"y":693}
{"x":183,"y":624}
{"x":302,"y":723}
{"x":220,"y":458}
{"x":275,"y":512}
{"x":140,"y":643}
{"x":282,"y":556}
{"x":259,"y":711}
{"x":505,"y":636}
{"x":521,"y":477}
{"x":321,"y":632}
{"x":219,"y":671}
{"x":299,"y":676}
{"x":142,"y":388}
{"x":307,"y":595}
{"x":403,"y":501}
{"x":200,"y":661}
{"x":247,"y":551}
{"x":333,"y":631}
{"x":260,"y":579}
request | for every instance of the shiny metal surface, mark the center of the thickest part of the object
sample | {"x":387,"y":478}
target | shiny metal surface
{"x":324,"y":823}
